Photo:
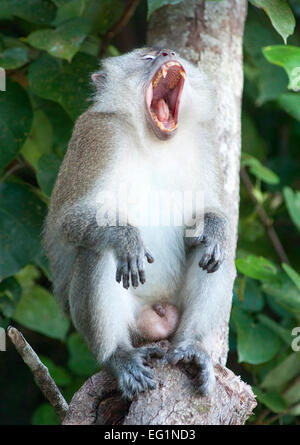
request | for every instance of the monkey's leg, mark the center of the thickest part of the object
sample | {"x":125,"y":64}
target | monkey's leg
{"x":103,"y":312}
{"x":202,"y":303}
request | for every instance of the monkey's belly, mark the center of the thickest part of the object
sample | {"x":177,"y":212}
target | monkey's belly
{"x":164,"y":275}
{"x":157,"y":322}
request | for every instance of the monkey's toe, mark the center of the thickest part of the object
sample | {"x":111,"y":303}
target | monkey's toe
{"x":197,"y":364}
{"x":149,"y":352}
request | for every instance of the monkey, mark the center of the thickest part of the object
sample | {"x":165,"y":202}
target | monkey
{"x":148,"y":129}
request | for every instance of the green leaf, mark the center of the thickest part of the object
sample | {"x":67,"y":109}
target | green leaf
{"x":284,"y":334}
{"x":15,"y":121}
{"x":59,"y":374}
{"x":294,"y":276}
{"x":252,"y":142}
{"x":61,"y":123}
{"x":280,"y":14}
{"x":290,"y":103}
{"x":81,"y":361}
{"x":255,"y":342}
{"x":268,"y":81}
{"x":257,"y":267}
{"x":45,"y":415}
{"x":39,"y":140}
{"x":292,"y":396}
{"x":156,"y":4}
{"x":10,"y":294}
{"x":287,"y":57}
{"x":64,"y":41}
{"x":259,"y":170}
{"x":35,"y":11}
{"x":292,"y":200}
{"x":21,"y":218}
{"x":69,"y":10}
{"x":37,"y":310}
{"x":47,"y":172}
{"x":273,"y":400}
{"x":282,"y":374}
{"x":63,"y":82}
{"x":249,"y":298}
{"x":13,"y":58}
{"x":285,"y":293}
{"x":102,"y":15}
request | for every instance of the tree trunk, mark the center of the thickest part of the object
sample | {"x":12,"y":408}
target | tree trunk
{"x":209,"y":33}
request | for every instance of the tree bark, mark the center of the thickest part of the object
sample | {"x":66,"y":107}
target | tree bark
{"x":209,"y":33}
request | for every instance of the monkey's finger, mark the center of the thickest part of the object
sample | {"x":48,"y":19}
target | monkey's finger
{"x":217,"y":252}
{"x":175,"y":357}
{"x":204,"y":260}
{"x":134,"y":273}
{"x":215,"y":267}
{"x":152,"y":352}
{"x":140,"y":265}
{"x":119,"y":272}
{"x":149,"y":257}
{"x":125,"y":274}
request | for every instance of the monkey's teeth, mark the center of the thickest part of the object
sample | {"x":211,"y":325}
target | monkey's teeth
{"x":182,"y":73}
{"x":164,"y":72}
{"x":157,"y":77}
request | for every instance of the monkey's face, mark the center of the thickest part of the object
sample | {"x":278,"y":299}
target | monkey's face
{"x":163,"y":92}
{"x":147,"y":83}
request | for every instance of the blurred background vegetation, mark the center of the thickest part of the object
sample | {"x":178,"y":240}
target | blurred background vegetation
{"x":49,"y":49}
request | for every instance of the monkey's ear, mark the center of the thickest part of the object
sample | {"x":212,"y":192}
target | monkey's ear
{"x":98,"y":79}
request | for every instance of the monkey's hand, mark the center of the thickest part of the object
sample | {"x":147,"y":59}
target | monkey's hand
{"x":213,"y":242}
{"x":197,"y":363}
{"x":130,"y":252}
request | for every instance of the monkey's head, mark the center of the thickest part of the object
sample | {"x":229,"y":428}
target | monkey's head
{"x":148,"y":83}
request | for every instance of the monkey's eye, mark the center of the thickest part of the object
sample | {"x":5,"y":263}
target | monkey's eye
{"x":148,"y":56}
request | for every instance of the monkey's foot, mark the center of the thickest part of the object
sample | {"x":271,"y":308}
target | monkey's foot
{"x":212,"y":256}
{"x":132,"y":370}
{"x":198,"y":365}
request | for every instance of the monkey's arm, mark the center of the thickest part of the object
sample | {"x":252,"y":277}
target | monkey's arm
{"x":213,"y":239}
{"x":93,"y":147}
{"x":78,"y":226}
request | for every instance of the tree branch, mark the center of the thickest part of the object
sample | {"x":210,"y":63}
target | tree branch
{"x":39,"y":371}
{"x":118,"y":26}
{"x":267,"y":223}
{"x":173,"y":402}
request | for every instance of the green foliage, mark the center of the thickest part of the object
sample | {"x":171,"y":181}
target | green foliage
{"x":45,"y":415}
{"x":81,"y":362}
{"x":15,"y":121}
{"x":62,"y":42}
{"x":38,"y":311}
{"x":57,"y":80}
{"x":280,"y":14}
{"x":289,"y":58}
{"x":21,"y":217}
{"x":49,"y":49}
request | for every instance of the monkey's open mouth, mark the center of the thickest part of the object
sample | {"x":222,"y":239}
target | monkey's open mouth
{"x":163,"y":96}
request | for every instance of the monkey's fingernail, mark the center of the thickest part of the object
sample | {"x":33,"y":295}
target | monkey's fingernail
{"x":149,"y":257}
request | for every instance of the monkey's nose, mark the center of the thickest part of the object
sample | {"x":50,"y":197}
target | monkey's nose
{"x":167,"y":52}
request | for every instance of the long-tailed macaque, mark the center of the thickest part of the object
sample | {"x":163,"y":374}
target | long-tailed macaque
{"x":147,"y":133}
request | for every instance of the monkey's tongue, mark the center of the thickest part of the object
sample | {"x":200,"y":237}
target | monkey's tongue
{"x":162,"y":110}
